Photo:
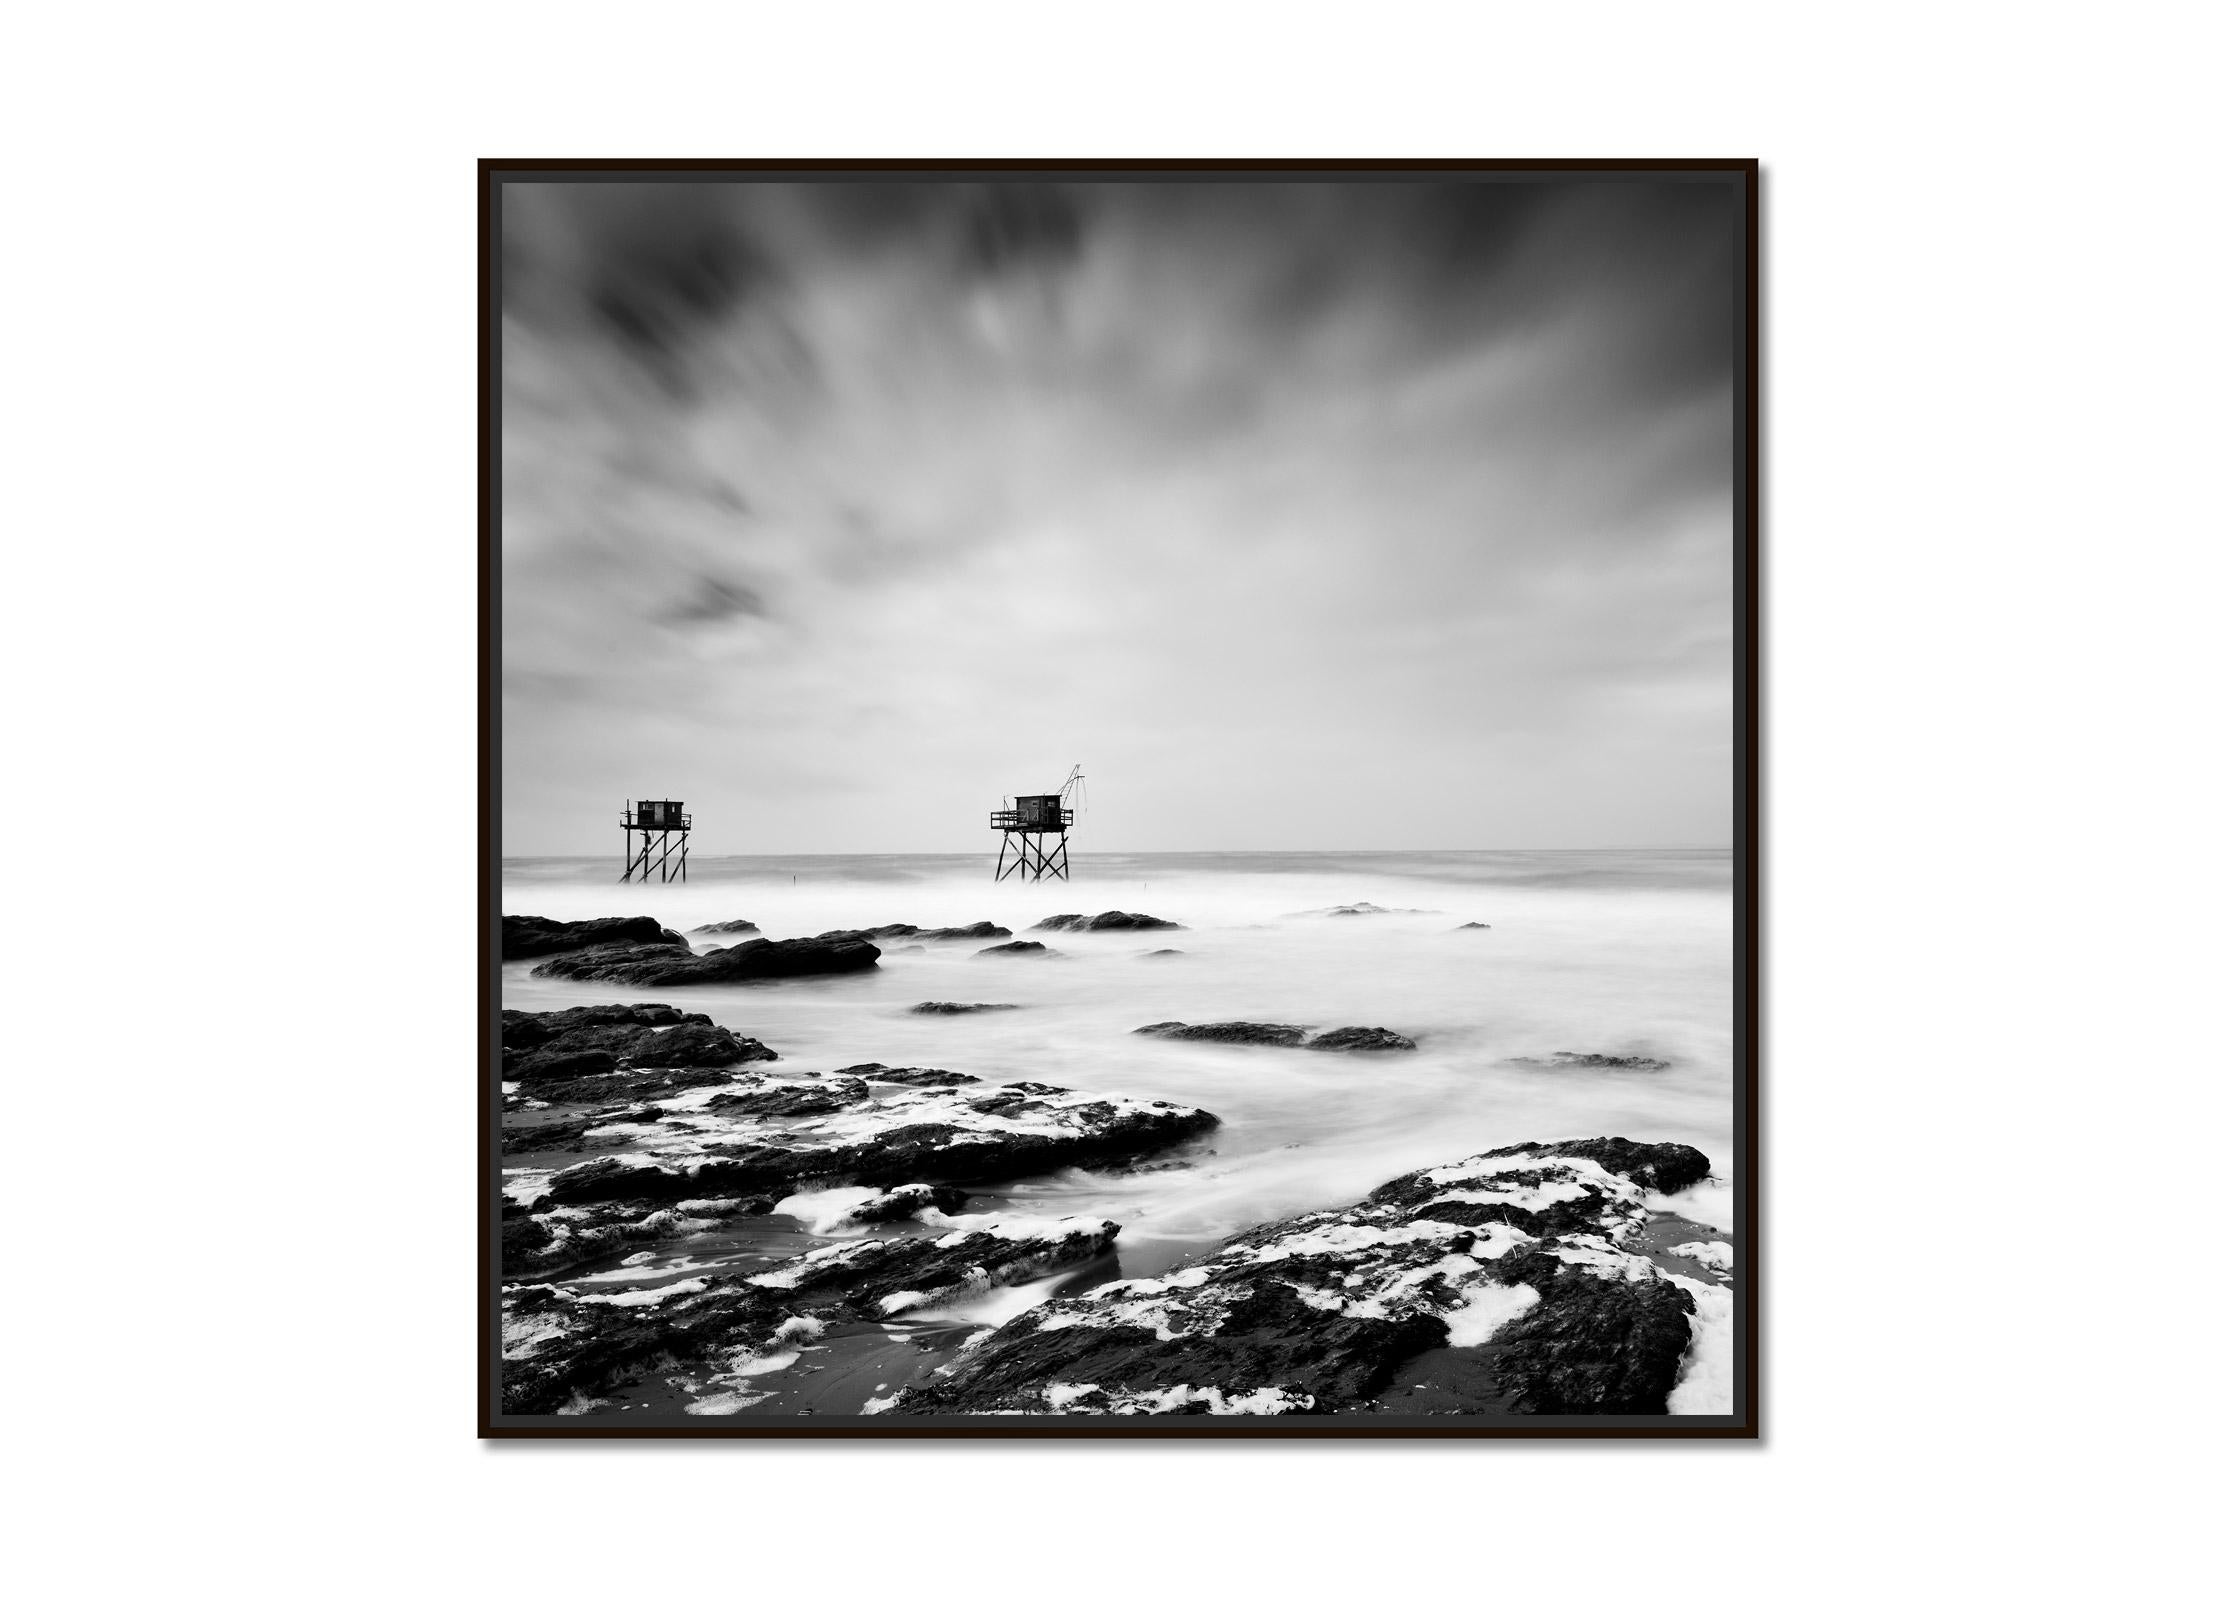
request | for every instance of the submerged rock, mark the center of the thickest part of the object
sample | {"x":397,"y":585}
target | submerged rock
{"x":562,"y":1345}
{"x":1522,"y":1266}
{"x":1569,"y":1058}
{"x":1104,"y":922}
{"x":958,"y":1008}
{"x":523,"y":937}
{"x":1360,"y":1039}
{"x":1275,"y":1033}
{"x":734,"y":926}
{"x":1484,"y":927}
{"x":1361,"y":908}
{"x":663,"y":966}
{"x":910,"y":930}
{"x":1284,"y":1035}
{"x":1148,"y":954}
{"x":1017,"y":947}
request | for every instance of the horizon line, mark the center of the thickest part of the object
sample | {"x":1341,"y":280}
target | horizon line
{"x":1433,"y":850}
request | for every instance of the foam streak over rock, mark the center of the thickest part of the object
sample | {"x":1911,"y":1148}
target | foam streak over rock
{"x":1526,"y":1263}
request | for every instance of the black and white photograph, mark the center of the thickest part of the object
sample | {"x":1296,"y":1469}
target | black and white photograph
{"x":1200,"y":801}
{"x":1119,"y":800}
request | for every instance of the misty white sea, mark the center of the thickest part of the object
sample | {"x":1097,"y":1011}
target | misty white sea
{"x":1623,"y":953}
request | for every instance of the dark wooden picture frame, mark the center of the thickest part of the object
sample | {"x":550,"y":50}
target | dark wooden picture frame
{"x":1748,"y":1276}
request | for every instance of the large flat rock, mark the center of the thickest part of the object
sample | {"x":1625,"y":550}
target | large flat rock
{"x":1529,"y":1267}
{"x":527,"y":937}
{"x":663,"y":966}
{"x":1281,"y":1035}
{"x":1104,"y":922}
{"x":553,"y":1047}
{"x":893,"y":931}
{"x":758,"y":1134}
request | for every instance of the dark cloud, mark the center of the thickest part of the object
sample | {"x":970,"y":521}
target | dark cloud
{"x":1471,"y":231}
{"x":1022,"y":226}
{"x":1249,"y":472}
{"x":716,"y":600}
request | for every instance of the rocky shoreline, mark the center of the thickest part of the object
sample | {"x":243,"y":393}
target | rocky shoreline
{"x":1528,"y":1263}
{"x":1534,"y":1279}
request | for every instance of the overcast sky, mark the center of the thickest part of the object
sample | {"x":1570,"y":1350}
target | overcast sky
{"x":1301,"y":516}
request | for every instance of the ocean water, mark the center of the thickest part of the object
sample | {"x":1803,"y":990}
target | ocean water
{"x":1616,"y":952}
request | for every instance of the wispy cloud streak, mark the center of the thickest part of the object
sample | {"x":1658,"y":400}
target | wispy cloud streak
{"x":1304,"y":516}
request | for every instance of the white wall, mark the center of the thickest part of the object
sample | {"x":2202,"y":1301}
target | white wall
{"x":241,"y":395}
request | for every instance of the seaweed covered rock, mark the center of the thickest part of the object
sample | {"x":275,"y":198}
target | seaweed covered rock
{"x":887,"y":1277}
{"x":525,"y":937}
{"x":558,"y":1238}
{"x":583,"y":1041}
{"x":1666,"y":1168}
{"x":1104,"y":922}
{"x":560,"y":1133}
{"x":762,"y":1135}
{"x":658,"y":966}
{"x":695,"y":1044}
{"x":562,"y":1346}
{"x":550,"y":1065}
{"x":852,"y":1209}
{"x":521,"y":1030}
{"x":559,"y":1346}
{"x":915,"y":1077}
{"x":792,"y":1099}
{"x":910,"y":1200}
{"x":623,"y":1086}
{"x":1526,"y":1269}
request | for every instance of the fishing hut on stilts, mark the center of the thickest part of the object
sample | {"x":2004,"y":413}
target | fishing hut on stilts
{"x":642,"y":822}
{"x":1026,"y":826}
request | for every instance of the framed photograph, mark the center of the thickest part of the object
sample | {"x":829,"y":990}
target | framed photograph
{"x":1119,"y":799}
